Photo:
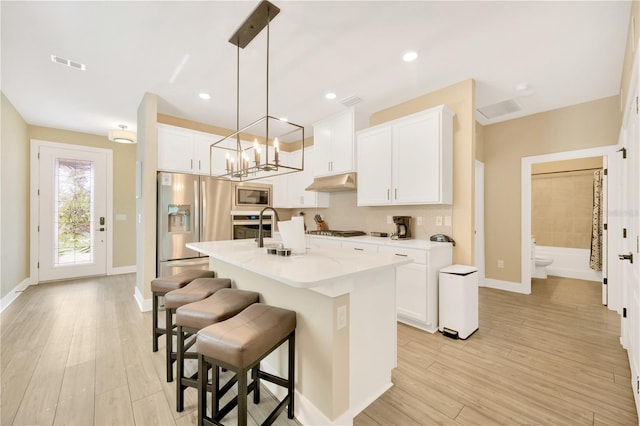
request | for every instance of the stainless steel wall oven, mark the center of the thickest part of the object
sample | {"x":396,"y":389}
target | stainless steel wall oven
{"x":245,"y":224}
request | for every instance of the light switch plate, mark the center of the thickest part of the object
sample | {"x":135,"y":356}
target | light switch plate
{"x":438,"y":220}
{"x":447,"y":221}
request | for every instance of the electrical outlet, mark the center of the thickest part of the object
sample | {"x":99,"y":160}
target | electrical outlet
{"x":447,"y":221}
{"x":341,"y":320}
{"x":438,"y":220}
{"x":389,"y":220}
{"x":419,"y":219}
{"x":500,"y":263}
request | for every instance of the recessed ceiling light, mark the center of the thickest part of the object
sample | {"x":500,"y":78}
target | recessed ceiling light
{"x":204,"y":96}
{"x":330,"y":96}
{"x":284,"y":119}
{"x":525,"y":89}
{"x":410,"y":56}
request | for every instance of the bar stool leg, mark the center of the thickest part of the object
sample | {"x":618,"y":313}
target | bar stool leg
{"x":154,"y":321}
{"x":292,"y":372}
{"x":256,"y":379}
{"x":242,"y":398}
{"x":180,"y":370}
{"x":169,"y":344}
{"x":202,"y":389}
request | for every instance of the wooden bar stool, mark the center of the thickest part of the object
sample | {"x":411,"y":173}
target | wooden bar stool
{"x":161,"y":286}
{"x":239,"y":344}
{"x":198,"y":289}
{"x":190,"y":318}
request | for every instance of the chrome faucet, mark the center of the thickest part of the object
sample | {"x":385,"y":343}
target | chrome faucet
{"x":260,"y":232}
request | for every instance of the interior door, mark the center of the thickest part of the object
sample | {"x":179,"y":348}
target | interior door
{"x":630,"y":256}
{"x":72,"y":213}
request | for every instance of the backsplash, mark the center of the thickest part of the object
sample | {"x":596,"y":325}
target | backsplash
{"x":344,"y":214}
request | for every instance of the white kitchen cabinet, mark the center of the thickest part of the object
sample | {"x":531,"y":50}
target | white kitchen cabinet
{"x":333,"y":140}
{"x":407,"y":161}
{"x":289,"y":190}
{"x":184,"y":150}
{"x":417,"y":284}
{"x":360,"y":246}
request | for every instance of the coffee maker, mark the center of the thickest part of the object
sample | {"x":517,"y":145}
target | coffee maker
{"x":403,"y":228}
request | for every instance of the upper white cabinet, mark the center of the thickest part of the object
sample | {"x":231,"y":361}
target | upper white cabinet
{"x":333,"y":142}
{"x":408,"y":160}
{"x":184,"y":150}
{"x":289,"y":190}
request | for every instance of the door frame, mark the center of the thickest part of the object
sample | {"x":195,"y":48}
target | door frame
{"x":34,"y":243}
{"x":607,"y":152}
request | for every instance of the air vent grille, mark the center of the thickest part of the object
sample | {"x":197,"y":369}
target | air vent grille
{"x":68,"y":62}
{"x":501,"y":108}
{"x":351,"y":101}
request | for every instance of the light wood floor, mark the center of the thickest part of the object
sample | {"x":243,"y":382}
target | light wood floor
{"x":549,"y":358}
{"x":79,"y":352}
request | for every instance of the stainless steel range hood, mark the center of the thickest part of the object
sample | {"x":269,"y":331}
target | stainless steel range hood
{"x":343,"y":182}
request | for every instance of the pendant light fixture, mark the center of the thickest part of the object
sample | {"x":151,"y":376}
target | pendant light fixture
{"x":122,"y":135}
{"x":253,"y":152}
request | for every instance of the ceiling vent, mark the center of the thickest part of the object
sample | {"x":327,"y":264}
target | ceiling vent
{"x":501,"y":108}
{"x":68,"y":62}
{"x":351,"y":101}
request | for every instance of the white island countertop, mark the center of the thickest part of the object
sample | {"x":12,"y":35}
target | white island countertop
{"x":316,"y":268}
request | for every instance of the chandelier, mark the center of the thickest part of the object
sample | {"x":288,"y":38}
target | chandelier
{"x":254,"y":151}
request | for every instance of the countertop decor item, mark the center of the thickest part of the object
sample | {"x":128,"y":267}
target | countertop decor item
{"x":260,"y":158}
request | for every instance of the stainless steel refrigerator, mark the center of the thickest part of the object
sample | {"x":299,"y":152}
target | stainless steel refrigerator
{"x":191,"y":208}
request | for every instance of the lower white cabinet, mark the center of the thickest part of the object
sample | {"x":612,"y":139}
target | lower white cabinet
{"x":416,"y":282}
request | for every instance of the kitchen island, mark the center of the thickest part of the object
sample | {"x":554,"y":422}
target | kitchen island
{"x":346,"y":321}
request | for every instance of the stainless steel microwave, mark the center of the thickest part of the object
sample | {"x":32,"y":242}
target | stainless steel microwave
{"x":251,"y":195}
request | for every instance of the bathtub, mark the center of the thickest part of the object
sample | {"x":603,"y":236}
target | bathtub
{"x":569,"y":263}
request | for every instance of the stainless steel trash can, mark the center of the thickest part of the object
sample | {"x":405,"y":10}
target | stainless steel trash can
{"x":458,"y":301}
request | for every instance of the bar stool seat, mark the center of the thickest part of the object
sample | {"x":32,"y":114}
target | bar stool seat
{"x":239,"y":344}
{"x":198,"y":289}
{"x":192,"y":317}
{"x":162,"y":285}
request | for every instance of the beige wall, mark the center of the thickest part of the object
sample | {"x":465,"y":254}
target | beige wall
{"x":14,"y":199}
{"x":581,"y":126}
{"x":460,"y":98}
{"x":632,"y":41}
{"x":562,"y":208}
{"x":147,"y":154}
{"x":123,"y":185}
{"x":343,"y":213}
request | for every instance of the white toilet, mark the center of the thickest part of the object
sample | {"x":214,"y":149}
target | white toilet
{"x":538,"y":263}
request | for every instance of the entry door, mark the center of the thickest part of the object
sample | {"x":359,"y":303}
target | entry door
{"x":72,"y":213}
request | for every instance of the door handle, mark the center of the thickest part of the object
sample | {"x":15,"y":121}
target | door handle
{"x":628,"y":257}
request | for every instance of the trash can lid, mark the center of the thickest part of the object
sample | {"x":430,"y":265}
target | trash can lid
{"x":459,"y":269}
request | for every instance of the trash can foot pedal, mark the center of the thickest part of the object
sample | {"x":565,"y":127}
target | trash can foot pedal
{"x":450,"y":333}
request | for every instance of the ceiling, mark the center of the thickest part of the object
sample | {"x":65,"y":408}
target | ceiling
{"x":567,"y":52}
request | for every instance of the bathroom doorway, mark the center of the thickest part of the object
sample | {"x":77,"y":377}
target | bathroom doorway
{"x":607,"y":155}
{"x":567,"y":216}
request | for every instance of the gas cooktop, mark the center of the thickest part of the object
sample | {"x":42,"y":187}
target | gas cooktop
{"x":334,"y":233}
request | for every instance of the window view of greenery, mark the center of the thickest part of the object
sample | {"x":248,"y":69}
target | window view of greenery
{"x":73,"y":187}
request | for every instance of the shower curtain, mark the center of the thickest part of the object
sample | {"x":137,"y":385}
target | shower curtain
{"x":595,"y":261}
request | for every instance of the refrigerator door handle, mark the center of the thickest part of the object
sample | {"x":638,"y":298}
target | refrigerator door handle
{"x":196,"y":204}
{"x":203,"y":200}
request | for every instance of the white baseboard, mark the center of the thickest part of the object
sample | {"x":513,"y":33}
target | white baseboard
{"x":13,"y":294}
{"x":306,"y":412}
{"x":578,"y":274}
{"x":122,"y":270}
{"x":506,"y":285}
{"x":144,"y":305}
